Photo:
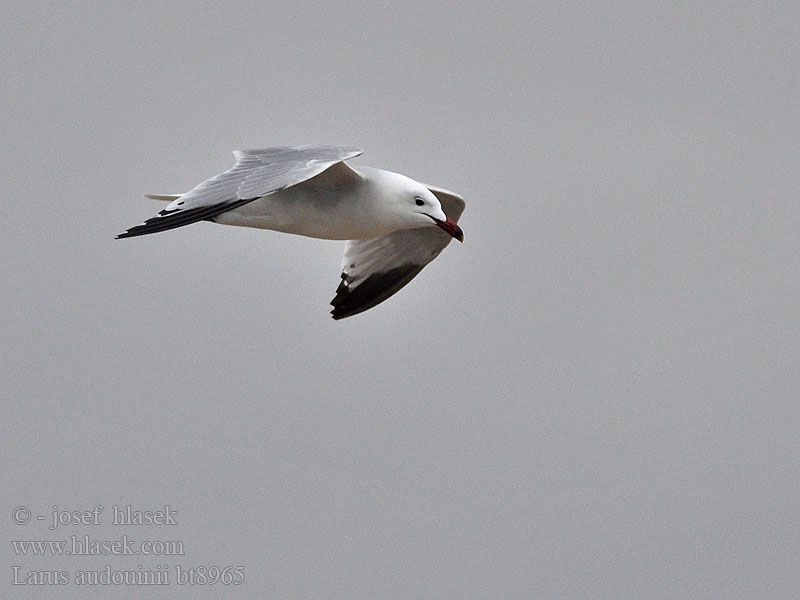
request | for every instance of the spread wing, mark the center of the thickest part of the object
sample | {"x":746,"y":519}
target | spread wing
{"x":256,"y":173}
{"x":374,"y":269}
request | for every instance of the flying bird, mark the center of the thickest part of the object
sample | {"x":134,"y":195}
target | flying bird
{"x":395,"y":225}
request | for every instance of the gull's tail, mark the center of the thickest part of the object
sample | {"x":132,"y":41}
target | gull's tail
{"x":164,"y":197}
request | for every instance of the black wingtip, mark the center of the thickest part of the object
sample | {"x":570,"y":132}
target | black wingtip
{"x":171,"y":219}
{"x":372,"y":291}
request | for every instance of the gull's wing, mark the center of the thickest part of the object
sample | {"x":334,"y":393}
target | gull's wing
{"x":376,"y":268}
{"x":256,"y":173}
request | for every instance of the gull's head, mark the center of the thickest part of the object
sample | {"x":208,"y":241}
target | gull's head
{"x":416,"y":206}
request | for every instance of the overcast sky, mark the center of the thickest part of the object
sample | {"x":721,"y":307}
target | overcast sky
{"x":595,"y":396}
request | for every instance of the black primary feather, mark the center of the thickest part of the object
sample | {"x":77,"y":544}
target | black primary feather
{"x":178,"y":218}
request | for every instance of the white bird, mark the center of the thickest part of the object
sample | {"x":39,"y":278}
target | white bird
{"x":395,"y":225}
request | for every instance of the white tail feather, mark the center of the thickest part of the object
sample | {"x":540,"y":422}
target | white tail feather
{"x":164,"y":197}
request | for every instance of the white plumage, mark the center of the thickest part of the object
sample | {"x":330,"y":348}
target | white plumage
{"x":395,"y":225}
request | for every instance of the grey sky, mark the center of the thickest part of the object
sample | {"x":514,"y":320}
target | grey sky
{"x":595,"y":396}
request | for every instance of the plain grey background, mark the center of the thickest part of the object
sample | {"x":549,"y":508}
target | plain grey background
{"x":595,"y":396}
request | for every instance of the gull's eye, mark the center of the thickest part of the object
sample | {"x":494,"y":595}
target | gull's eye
{"x":419,"y":201}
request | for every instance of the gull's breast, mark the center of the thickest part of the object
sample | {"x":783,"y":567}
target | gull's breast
{"x":310,"y":212}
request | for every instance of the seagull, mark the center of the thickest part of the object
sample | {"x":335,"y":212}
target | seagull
{"x":394,"y":225}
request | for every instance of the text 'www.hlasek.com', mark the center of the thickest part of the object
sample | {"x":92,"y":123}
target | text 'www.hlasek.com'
{"x":120,"y":545}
